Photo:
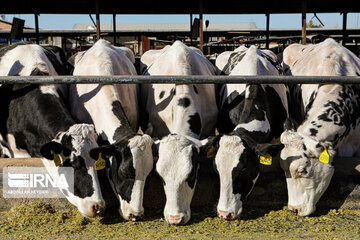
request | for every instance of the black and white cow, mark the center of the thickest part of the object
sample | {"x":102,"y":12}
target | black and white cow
{"x":181,"y":115}
{"x":36,"y":123}
{"x":114,"y":112}
{"x":330,"y":125}
{"x":249,"y":116}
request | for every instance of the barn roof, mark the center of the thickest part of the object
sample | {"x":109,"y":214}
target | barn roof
{"x":180,"y":7}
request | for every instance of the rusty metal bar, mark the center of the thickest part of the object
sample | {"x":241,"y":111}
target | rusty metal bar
{"x":97,"y":20}
{"x":303,"y":17}
{"x":180,"y":79}
{"x":37,"y":28}
{"x":201,"y":28}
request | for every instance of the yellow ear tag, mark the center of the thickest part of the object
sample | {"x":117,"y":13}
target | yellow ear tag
{"x":211,"y":152}
{"x":100,"y":163}
{"x":57,"y":160}
{"x":324,"y":157}
{"x":266,"y":159}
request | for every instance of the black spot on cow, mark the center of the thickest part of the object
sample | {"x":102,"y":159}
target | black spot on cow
{"x":161,"y":95}
{"x":195,"y":123}
{"x":233,"y":60}
{"x":313,"y":131}
{"x":83,"y":186}
{"x":195,"y":89}
{"x":124,"y":131}
{"x":193,"y":176}
{"x":38,"y":72}
{"x":173,"y":91}
{"x":184,"y":102}
{"x":304,"y":147}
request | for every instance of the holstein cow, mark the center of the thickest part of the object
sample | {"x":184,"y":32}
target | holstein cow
{"x":331,"y":122}
{"x":36,"y":123}
{"x":109,"y":107}
{"x":180,"y":115}
{"x":249,"y":116}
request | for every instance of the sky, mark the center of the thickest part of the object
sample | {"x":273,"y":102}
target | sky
{"x":67,"y":21}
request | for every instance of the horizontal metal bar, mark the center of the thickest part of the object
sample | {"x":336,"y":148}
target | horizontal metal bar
{"x":180,"y":79}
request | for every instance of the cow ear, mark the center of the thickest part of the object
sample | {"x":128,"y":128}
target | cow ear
{"x":290,"y":124}
{"x":104,"y":152}
{"x":269,"y":149}
{"x":209,"y":147}
{"x":155,"y":150}
{"x":49,"y":150}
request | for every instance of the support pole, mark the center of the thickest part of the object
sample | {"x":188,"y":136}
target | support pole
{"x":303,"y":16}
{"x":344,"y":33}
{"x":114,"y":28}
{"x":191,"y":28}
{"x":267,"y":30}
{"x":97,"y":20}
{"x":37,"y":28}
{"x":201,"y":30}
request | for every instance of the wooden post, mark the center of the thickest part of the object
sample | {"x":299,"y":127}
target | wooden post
{"x":37,"y":29}
{"x":97,"y":20}
{"x":303,"y":17}
{"x":114,"y":28}
{"x":267,"y":30}
{"x":201,"y":30}
{"x":344,"y":33}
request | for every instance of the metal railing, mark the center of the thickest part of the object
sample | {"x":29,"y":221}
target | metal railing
{"x":180,"y":79}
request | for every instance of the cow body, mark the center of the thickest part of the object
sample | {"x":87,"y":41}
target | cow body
{"x":36,"y":123}
{"x":249,"y":115}
{"x":330,"y":122}
{"x":113,"y":110}
{"x":181,"y":115}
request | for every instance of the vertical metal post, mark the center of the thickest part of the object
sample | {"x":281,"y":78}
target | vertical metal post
{"x":37,"y":29}
{"x":303,"y":17}
{"x":344,"y":33}
{"x":267,"y":30}
{"x":97,"y":20}
{"x":191,"y":28}
{"x":201,"y":30}
{"x":114,"y":28}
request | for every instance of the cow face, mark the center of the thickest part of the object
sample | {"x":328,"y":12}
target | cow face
{"x":71,"y":149}
{"x":130,"y":162}
{"x":178,"y":168}
{"x":308,"y":167}
{"x":238,"y":168}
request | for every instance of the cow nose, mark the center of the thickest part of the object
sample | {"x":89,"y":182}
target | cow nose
{"x":97,"y":208}
{"x":300,"y":171}
{"x":135,"y":216}
{"x":225,"y":215}
{"x":293,"y":209}
{"x":176,"y":220}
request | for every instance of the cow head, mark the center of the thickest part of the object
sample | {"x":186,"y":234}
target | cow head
{"x":178,"y":168}
{"x":308,"y":166}
{"x":130,"y":162}
{"x":71,"y":149}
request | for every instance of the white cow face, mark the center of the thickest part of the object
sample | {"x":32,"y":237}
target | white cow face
{"x":130,"y":161}
{"x":308,"y":167}
{"x":238,"y":168}
{"x":72,"y":149}
{"x":178,"y":168}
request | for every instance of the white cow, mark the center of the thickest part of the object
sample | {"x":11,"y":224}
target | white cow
{"x":114,"y":112}
{"x":181,"y":115}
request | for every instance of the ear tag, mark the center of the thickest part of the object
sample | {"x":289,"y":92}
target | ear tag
{"x":266,"y":159}
{"x":57,"y":160}
{"x":211,"y":152}
{"x":100,"y":163}
{"x":324,"y":157}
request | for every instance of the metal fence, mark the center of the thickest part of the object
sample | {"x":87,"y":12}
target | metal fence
{"x":180,"y":79}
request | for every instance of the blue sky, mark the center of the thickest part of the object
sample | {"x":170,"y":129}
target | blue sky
{"x":66,"y":21}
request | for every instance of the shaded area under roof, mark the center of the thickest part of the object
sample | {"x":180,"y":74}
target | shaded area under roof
{"x":182,"y":7}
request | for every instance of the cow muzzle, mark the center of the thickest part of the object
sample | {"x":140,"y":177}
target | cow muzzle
{"x":226,"y":215}
{"x":301,"y":211}
{"x":176,"y":220}
{"x":134,"y":216}
{"x":93,"y":209}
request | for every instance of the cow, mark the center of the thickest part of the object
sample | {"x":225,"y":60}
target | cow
{"x":113,"y":110}
{"x":181,"y":115}
{"x":329,"y":126}
{"x":251,"y":115}
{"x":36,"y":123}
